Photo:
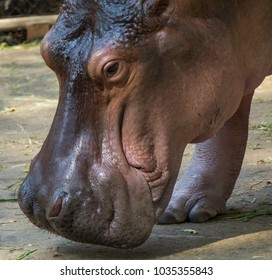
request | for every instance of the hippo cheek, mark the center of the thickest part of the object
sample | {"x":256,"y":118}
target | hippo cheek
{"x":108,"y":209}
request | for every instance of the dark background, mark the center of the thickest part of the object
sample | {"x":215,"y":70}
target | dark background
{"x":11,"y":8}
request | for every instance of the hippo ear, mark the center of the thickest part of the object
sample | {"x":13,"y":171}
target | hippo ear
{"x":156,"y":12}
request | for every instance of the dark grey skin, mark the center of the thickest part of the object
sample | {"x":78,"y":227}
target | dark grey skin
{"x":139,"y":80}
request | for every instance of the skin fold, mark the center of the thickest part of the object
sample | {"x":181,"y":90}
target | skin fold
{"x":139,"y":80}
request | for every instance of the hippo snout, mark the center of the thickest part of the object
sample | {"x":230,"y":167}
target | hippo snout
{"x":98,"y":212}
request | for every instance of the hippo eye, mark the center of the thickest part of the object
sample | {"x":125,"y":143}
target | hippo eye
{"x":111,"y":69}
{"x":116,"y":71}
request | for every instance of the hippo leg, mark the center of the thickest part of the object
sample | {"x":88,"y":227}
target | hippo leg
{"x":207,"y":184}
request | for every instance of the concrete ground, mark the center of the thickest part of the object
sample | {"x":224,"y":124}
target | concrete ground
{"x":28,"y":98}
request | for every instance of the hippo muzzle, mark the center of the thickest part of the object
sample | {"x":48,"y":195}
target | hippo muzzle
{"x":106,"y":209}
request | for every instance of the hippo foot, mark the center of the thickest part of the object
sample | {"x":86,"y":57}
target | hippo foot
{"x":200,"y":212}
{"x":195,"y":208}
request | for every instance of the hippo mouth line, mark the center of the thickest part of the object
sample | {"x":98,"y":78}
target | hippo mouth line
{"x":156,"y":178}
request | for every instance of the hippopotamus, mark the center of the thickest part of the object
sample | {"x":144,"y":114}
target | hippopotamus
{"x":139,"y":80}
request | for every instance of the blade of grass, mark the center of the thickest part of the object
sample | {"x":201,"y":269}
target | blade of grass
{"x":8,"y":199}
{"x":24,"y":255}
{"x":190,"y":231}
{"x":249,"y":215}
{"x":16,"y":184}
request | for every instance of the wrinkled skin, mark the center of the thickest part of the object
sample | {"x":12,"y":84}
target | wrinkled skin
{"x":139,"y":80}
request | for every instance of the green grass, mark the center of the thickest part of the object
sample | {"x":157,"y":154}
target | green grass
{"x":249,"y":215}
{"x":24,"y":255}
{"x":8,"y":199}
{"x":263,"y":128}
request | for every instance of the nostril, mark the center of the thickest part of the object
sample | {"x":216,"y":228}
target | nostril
{"x":56,"y":208}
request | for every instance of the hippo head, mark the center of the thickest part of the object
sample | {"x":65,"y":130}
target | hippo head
{"x":107,"y":168}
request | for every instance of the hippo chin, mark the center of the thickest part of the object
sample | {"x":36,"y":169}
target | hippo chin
{"x":139,"y":80}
